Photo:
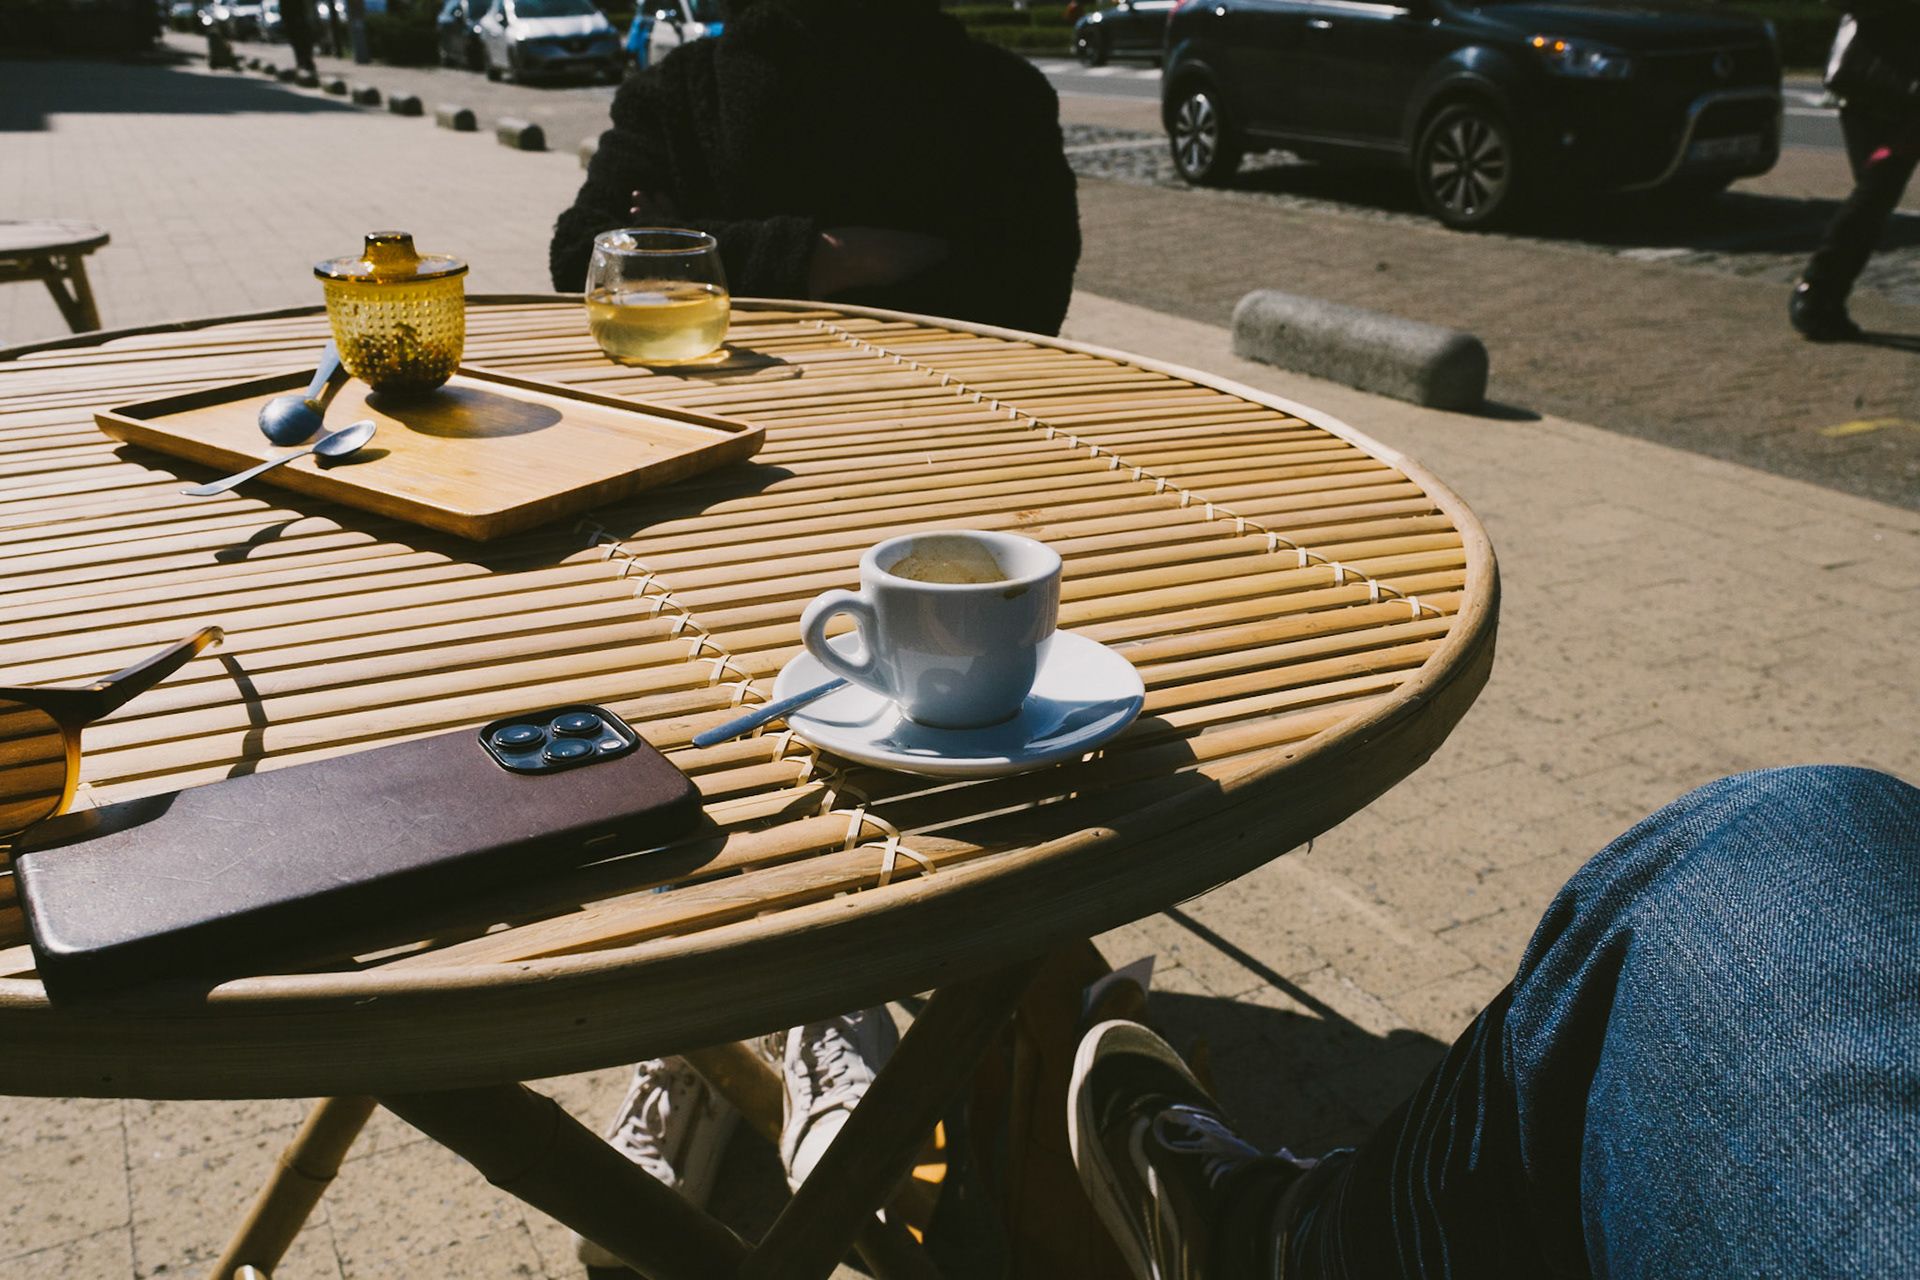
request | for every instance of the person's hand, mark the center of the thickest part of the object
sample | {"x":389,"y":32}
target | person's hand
{"x":648,"y":207}
{"x":847,"y":258}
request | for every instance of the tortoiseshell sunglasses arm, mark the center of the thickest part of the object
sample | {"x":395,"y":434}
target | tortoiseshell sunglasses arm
{"x":108,"y":695}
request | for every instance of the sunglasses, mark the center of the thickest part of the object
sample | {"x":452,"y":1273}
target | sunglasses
{"x":40,"y":732}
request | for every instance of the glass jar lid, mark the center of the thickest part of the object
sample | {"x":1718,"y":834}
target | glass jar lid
{"x":389,"y":258}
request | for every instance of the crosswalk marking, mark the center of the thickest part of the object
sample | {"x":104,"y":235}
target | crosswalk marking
{"x":1061,"y":67}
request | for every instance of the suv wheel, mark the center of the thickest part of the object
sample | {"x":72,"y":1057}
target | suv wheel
{"x":1466,"y":167}
{"x":1205,"y":150}
{"x":1095,"y":49}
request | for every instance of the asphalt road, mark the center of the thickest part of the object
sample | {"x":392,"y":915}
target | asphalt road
{"x":1808,"y":123}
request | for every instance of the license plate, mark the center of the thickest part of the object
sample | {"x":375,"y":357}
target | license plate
{"x":1742,"y":147}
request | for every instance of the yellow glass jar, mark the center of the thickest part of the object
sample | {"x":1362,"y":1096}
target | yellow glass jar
{"x":399,"y":319}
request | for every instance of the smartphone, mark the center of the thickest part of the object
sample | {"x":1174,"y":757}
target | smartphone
{"x":269,"y":868}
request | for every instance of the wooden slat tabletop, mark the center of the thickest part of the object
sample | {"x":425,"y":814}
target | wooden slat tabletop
{"x":1311,"y":614}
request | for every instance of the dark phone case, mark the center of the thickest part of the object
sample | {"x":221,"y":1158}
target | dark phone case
{"x":229,"y":877}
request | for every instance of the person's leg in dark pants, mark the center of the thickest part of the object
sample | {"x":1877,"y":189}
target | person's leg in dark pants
{"x":1883,"y":153}
{"x":1708,"y":1064}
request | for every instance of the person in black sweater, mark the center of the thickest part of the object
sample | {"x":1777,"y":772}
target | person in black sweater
{"x":866,"y":151}
{"x":1875,"y":70}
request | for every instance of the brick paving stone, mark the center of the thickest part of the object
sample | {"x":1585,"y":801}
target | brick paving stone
{"x":63,"y":1190}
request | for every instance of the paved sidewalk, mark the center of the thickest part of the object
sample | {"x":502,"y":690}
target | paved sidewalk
{"x":1667,"y":618}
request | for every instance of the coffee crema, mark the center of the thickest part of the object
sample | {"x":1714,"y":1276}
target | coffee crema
{"x":948,"y":560}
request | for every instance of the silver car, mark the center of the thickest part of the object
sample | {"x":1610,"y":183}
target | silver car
{"x":524,"y":39}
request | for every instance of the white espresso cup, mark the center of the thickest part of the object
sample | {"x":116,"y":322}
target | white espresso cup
{"x":953,"y":625}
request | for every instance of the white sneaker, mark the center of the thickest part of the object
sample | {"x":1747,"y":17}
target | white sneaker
{"x":673,"y":1124}
{"x":826,"y":1067}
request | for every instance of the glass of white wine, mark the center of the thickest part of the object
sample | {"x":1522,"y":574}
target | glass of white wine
{"x":657,"y":295}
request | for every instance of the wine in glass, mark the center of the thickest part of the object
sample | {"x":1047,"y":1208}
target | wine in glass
{"x":656,"y":295}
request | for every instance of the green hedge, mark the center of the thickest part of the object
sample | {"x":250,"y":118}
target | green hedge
{"x":1039,"y":29}
{"x":974,"y":16}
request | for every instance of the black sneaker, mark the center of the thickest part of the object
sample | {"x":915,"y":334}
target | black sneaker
{"x":1818,"y":314}
{"x":1184,"y":1197}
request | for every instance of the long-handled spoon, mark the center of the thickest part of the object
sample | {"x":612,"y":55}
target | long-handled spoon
{"x":760,"y":715}
{"x":289,"y":419}
{"x":334,"y":444}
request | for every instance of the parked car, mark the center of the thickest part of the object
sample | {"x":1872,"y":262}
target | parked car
{"x":1130,"y":29}
{"x":183,"y":15}
{"x":661,"y":26}
{"x":522,"y":39}
{"x":234,"y":19}
{"x":457,"y":30}
{"x":272,"y":27}
{"x":1489,"y":103}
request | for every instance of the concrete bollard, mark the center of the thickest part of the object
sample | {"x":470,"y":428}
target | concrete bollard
{"x":1408,"y":359}
{"x":336,"y":86}
{"x":364,"y":95}
{"x":287,"y":75}
{"x":520,"y":134}
{"x":307,"y":78}
{"x":268,"y":69}
{"x":588,"y":150}
{"x":459,"y":119}
{"x":405,"y":104}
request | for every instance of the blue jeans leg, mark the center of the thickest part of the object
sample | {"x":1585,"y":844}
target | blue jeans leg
{"x":1708,"y":1064}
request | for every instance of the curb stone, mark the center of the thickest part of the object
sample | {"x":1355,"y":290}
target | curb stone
{"x":307,"y":79}
{"x":405,"y":104}
{"x":1411,"y":360}
{"x":365,"y":95}
{"x":450,"y":116}
{"x":336,"y":86}
{"x":521,"y":135}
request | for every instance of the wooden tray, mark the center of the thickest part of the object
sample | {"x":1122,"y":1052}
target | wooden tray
{"x":487,"y":454}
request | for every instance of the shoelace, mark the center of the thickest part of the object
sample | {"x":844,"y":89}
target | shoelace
{"x":649,"y":1114}
{"x":839,"y":1072}
{"x":1206,"y":1136}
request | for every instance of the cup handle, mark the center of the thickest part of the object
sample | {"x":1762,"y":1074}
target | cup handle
{"x":813,"y":633}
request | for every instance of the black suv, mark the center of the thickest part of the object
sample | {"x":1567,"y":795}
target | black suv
{"x":1488,"y":104}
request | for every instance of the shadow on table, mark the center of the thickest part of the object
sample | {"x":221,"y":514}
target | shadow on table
{"x":37,"y":89}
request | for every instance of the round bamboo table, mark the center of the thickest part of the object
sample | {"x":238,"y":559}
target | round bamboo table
{"x":1311,"y":612}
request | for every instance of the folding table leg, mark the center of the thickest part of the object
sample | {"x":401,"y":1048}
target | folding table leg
{"x":301,"y":1177}
{"x":65,"y":276}
{"x":525,"y":1144}
{"x":875,"y":1149}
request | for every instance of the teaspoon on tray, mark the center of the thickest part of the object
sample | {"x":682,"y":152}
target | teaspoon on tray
{"x":334,"y":444}
{"x":290,"y":419}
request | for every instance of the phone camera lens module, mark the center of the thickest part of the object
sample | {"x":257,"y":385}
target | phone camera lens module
{"x":519,"y":737}
{"x":567,"y":750}
{"x":578,"y":724}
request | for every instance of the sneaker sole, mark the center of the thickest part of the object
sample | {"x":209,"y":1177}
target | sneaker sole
{"x":1095,"y":1176}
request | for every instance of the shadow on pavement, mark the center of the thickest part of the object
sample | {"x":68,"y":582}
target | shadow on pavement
{"x":39,"y":88}
{"x":1309,"y":1080}
{"x":1892,"y":341}
{"x":1731,"y":223}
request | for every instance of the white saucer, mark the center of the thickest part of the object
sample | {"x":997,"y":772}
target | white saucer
{"x":1084,"y":694}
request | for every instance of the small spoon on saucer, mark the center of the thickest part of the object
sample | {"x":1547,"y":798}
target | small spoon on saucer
{"x":760,"y":715}
{"x":289,"y":419}
{"x":334,"y":444}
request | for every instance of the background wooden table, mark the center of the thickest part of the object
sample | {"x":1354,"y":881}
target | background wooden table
{"x":54,"y":253}
{"x":1310,"y":612}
